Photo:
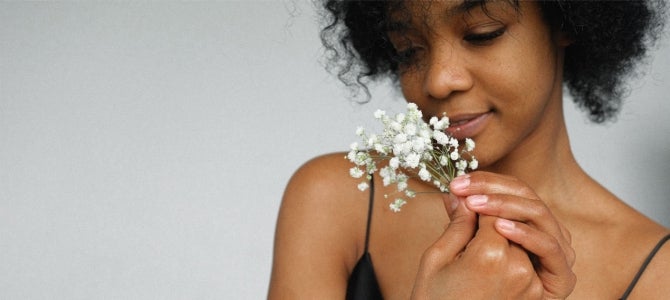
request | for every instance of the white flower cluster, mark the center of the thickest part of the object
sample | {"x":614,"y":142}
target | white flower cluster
{"x":413,"y":148}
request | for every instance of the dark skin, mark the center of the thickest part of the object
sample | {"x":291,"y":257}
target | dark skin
{"x":530,"y":225}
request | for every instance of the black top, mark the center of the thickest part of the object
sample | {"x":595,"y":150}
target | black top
{"x":363,"y":285}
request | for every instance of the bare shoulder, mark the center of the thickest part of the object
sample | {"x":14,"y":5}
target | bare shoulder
{"x":320,"y":229}
{"x":323,"y":188}
{"x":322,"y":174}
{"x":654,"y":282}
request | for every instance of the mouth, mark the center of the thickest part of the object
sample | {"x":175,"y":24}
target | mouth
{"x":467,"y":125}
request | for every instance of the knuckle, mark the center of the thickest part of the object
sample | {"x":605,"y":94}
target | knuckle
{"x":522,"y":270}
{"x":571,"y":282}
{"x":571,"y":256}
{"x":491,"y":254}
{"x":538,"y":210}
{"x":527,"y":191}
{"x":566,"y":234}
{"x":553,"y":247}
{"x":536,"y":290}
{"x":564,"y":285}
{"x":433,"y":255}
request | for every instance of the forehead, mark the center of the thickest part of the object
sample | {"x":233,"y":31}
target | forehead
{"x":405,"y":12}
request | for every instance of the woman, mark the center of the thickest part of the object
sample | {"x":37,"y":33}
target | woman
{"x":530,"y":223}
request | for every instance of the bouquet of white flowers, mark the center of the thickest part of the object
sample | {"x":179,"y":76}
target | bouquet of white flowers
{"x":413,"y":148}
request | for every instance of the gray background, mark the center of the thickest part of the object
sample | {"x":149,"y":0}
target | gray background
{"x":144,"y":146}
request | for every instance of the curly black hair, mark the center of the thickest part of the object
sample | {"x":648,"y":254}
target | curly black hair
{"x":610,"y":39}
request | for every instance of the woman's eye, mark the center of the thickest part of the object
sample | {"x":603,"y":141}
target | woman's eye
{"x":406,"y":55}
{"x":483,"y":38}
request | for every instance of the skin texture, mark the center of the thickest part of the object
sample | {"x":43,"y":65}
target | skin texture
{"x":530,"y":225}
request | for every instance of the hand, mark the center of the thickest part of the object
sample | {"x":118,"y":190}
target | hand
{"x":524,"y":219}
{"x":470,"y":263}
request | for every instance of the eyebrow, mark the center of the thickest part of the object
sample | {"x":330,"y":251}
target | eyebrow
{"x":463,"y":7}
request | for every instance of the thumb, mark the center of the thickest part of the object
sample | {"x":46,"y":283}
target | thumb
{"x":462,"y":221}
{"x":461,"y":229}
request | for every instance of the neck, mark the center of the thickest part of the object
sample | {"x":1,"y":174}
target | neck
{"x":545,"y":162}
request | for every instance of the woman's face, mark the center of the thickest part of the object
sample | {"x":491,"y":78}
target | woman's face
{"x":497,"y":72}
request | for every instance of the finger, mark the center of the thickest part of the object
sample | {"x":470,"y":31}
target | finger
{"x":555,"y":260}
{"x":544,"y":246}
{"x":481,"y":182}
{"x":487,"y":229}
{"x":532,"y":211}
{"x":451,"y":202}
{"x":456,"y":236}
{"x":568,"y":238}
{"x":493,"y":252}
{"x":488,"y":246}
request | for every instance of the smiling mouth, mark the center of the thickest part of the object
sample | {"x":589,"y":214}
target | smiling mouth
{"x":459,"y":123}
{"x":467,"y":125}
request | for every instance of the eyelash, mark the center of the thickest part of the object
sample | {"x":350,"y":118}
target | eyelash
{"x":407,"y":56}
{"x":483,"y":38}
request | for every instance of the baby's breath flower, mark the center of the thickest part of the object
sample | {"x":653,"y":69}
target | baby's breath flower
{"x":380,"y":148}
{"x":473,"y":164}
{"x":423,"y":150}
{"x":400,"y":138}
{"x":373,"y":139}
{"x":397,"y":204}
{"x":355,"y":172}
{"x":410,"y":129}
{"x":394,"y":162}
{"x":418,"y":145}
{"x":453,"y":142}
{"x":396,"y":126}
{"x":461,"y":165}
{"x":412,"y":160}
{"x":400,"y":117}
{"x":441,"y":137}
{"x":469,"y":144}
{"x":360,"y":131}
{"x":424,"y":174}
{"x":401,"y":180}
{"x":432,"y":121}
{"x":444,"y":160}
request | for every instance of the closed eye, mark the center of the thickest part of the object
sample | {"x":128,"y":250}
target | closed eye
{"x":406,"y":55}
{"x":484,"y":38}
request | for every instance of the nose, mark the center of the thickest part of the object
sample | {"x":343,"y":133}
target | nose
{"x":446,"y":74}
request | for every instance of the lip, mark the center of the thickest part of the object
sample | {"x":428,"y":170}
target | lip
{"x":467,"y":125}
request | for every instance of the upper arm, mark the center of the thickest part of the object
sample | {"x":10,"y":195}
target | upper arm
{"x":317,"y":234}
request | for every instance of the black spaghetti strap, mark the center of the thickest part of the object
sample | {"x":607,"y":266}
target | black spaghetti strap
{"x":362,"y":283}
{"x":644,"y":266}
{"x":370,"y":206}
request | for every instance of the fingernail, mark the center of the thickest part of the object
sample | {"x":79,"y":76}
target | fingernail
{"x":477,"y":200}
{"x":505,"y":225}
{"x":454,"y":202}
{"x":460,"y":182}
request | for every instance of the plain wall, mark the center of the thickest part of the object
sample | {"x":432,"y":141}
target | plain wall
{"x":144,"y":146}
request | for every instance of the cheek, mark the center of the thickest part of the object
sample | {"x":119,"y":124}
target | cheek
{"x":523,"y":88}
{"x":411,"y":86}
